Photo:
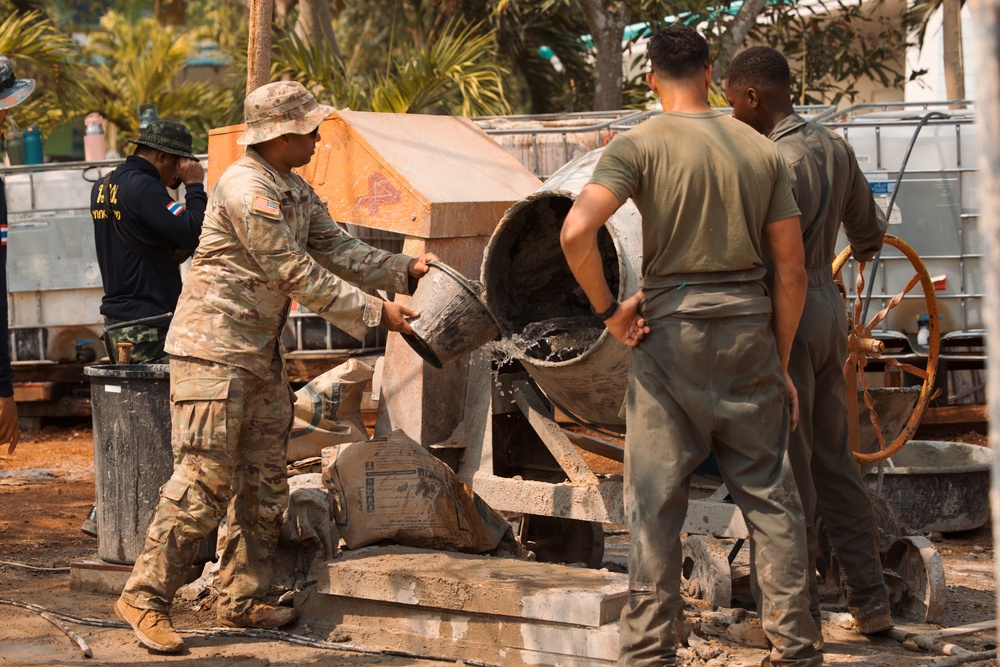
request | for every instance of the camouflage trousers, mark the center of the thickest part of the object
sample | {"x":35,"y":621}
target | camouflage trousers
{"x":826,"y":474}
{"x":229,"y":436}
{"x":700,"y":386}
{"x":147,"y":342}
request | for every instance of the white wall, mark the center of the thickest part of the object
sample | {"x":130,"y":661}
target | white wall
{"x":930,"y":87}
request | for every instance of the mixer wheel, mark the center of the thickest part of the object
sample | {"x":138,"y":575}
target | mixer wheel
{"x":863,"y":347}
{"x":915,"y":577}
{"x":705,"y":573}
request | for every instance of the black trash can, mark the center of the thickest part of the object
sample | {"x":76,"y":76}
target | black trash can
{"x":130,"y":405}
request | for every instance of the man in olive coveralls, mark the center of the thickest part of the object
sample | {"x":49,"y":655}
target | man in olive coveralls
{"x":267,"y":238}
{"x":829,"y":189}
{"x":709,"y":345}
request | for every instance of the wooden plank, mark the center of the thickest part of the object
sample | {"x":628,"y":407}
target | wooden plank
{"x":956,"y":414}
{"x":25,"y":392}
{"x":477,"y":585}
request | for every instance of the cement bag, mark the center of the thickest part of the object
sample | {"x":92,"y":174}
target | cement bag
{"x":393,"y":489}
{"x":328,"y":410}
{"x":307,"y":533}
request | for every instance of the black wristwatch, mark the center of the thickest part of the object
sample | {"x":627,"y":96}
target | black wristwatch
{"x":606,"y":315}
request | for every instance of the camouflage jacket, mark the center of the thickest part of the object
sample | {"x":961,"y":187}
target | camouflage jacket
{"x":267,"y":239}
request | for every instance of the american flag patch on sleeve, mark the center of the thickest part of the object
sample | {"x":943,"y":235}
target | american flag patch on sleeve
{"x":175,"y":208}
{"x":3,"y":234}
{"x":266,"y":206}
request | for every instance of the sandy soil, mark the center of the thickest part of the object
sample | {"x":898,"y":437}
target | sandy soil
{"x":47,"y":487}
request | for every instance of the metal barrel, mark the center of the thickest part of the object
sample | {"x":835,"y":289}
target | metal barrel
{"x":544,"y":316}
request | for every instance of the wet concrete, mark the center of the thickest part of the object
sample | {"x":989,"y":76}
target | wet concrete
{"x":528,"y":279}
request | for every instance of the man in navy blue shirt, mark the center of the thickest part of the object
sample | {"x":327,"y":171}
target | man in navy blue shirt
{"x":143,"y":235}
{"x":13,"y":91}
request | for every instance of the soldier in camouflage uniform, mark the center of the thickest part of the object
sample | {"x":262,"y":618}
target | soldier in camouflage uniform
{"x":267,"y":238}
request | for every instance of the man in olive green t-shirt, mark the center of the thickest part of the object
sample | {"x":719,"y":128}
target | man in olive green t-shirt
{"x":710,"y":345}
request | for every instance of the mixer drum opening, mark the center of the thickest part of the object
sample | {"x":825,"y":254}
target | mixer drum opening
{"x":541,"y":308}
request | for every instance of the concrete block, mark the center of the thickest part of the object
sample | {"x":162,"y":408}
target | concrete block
{"x":447,"y":635}
{"x":476,"y":585}
{"x":98,"y":576}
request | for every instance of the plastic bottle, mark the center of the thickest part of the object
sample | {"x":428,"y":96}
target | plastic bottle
{"x":93,"y":138}
{"x":147,"y":114}
{"x":15,"y":146}
{"x":33,"y":145}
{"x":923,"y":330}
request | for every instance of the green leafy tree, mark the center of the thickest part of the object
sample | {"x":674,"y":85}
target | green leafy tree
{"x":561,"y":80}
{"x":830,"y":51}
{"x":140,"y":61}
{"x":40,"y":51}
{"x":455,"y":73}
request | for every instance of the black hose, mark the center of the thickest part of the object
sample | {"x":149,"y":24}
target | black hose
{"x":934,"y":115}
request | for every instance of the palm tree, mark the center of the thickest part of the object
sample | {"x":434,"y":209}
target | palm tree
{"x":455,"y":73}
{"x":40,"y":51}
{"x":141,"y":61}
{"x":917,"y":18}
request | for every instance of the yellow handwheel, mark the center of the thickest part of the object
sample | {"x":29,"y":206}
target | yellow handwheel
{"x":864,"y":348}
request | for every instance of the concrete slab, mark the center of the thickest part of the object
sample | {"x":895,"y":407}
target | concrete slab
{"x":490,"y":640}
{"x":477,"y":585}
{"x":97,"y":576}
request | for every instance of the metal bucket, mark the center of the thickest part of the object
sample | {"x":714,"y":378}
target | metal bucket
{"x":544,"y":316}
{"x":453,"y":318}
{"x":938,"y":486}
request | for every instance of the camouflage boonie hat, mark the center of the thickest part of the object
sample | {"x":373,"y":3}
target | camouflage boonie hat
{"x":167,"y":136}
{"x":282,"y":107}
{"x":13,"y":91}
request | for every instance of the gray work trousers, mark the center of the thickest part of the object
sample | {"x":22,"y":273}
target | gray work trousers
{"x":698,"y":386}
{"x":826,"y":474}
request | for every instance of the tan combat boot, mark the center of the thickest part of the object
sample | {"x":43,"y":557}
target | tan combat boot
{"x":261,"y":615}
{"x":153,"y":628}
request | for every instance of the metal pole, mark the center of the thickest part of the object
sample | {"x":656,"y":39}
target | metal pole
{"x":259,"y":46}
{"x":986,"y":28}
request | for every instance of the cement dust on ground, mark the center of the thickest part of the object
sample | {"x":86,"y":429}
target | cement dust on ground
{"x":47,"y":488}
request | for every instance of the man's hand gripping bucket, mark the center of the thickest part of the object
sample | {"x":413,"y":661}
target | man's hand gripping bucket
{"x":454,"y":320}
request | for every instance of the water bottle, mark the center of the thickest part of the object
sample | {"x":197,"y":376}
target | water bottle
{"x":147,"y":114}
{"x":33,"y":145}
{"x":93,"y":138}
{"x":15,"y":146}
{"x":923,"y":330}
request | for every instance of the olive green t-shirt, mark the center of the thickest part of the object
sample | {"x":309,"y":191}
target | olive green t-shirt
{"x":705,"y":184}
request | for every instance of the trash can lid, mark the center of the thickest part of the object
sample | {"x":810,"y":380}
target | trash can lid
{"x":146,"y":371}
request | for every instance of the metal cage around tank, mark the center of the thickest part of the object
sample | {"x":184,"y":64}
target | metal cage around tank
{"x":935,"y":211}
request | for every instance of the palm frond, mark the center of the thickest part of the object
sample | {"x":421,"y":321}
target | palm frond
{"x":40,"y":51}
{"x":457,"y":73}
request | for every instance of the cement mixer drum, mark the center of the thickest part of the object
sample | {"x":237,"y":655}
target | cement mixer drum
{"x":545,"y":318}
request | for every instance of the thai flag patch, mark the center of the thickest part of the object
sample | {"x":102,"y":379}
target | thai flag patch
{"x":3,"y":234}
{"x":266,"y":206}
{"x":175,"y":208}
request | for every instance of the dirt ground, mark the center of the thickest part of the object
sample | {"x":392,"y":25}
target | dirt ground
{"x":47,"y":487}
